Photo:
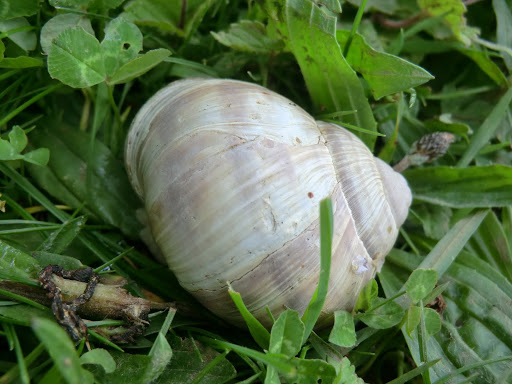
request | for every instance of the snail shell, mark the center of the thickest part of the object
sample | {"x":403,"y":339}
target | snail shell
{"x":231,"y":175}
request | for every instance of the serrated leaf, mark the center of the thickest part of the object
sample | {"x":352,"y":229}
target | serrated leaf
{"x":75,"y":59}
{"x":385,"y":73}
{"x":310,"y":34}
{"x":420,"y":284}
{"x":139,"y":66}
{"x":248,"y":36}
{"x":100,"y":357}
{"x":59,"y":23}
{"x":347,"y":373}
{"x":343,"y":332}
{"x":286,"y":334}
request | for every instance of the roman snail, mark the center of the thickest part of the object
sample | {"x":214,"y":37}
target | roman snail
{"x":231,"y":175}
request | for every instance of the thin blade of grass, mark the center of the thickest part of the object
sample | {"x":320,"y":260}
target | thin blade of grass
{"x":487,"y":129}
{"x":448,"y":248}
{"x":257,"y":330}
{"x":317,"y":301}
{"x":414,"y":372}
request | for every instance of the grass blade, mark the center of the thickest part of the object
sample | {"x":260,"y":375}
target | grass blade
{"x":317,"y":301}
{"x":487,"y":129}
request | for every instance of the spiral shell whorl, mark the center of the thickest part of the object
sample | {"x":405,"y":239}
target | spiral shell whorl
{"x":232,"y":174}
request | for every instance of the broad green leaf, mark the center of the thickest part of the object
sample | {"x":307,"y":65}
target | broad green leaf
{"x":23,"y":314}
{"x":139,"y":66}
{"x":420,"y":284}
{"x":188,"y":360}
{"x":343,"y":332}
{"x":485,"y":186}
{"x":39,"y":156}
{"x":107,"y":193}
{"x":48,"y":258}
{"x":59,"y":23}
{"x":386,"y":316}
{"x":257,"y":330}
{"x":386,"y":74}
{"x":26,"y":40}
{"x":366,"y":296}
{"x":100,"y":357}
{"x":249,"y":36}
{"x":8,"y":152}
{"x":121,"y":44}
{"x":286,"y":334}
{"x":16,"y":265}
{"x":432,"y":321}
{"x":10,"y":9}
{"x":310,"y":34}
{"x":62,"y":351}
{"x":21,"y":62}
{"x":346,"y":373}
{"x":504,"y":28}
{"x":413,"y":319}
{"x":60,"y":239}
{"x":75,"y":59}
{"x":17,"y":138}
{"x":160,"y":354}
{"x":486,"y":131}
{"x":477,"y":322}
{"x":311,"y":371}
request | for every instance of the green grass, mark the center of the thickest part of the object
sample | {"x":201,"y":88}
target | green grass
{"x":391,"y":73}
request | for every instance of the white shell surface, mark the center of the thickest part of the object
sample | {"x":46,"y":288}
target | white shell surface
{"x":232,"y":174}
